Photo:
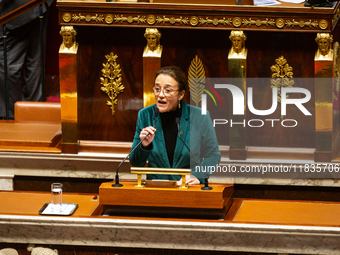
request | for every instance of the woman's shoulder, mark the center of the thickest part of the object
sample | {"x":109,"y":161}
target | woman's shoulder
{"x":195,"y":111}
{"x":147,"y":112}
{"x":148,"y":109}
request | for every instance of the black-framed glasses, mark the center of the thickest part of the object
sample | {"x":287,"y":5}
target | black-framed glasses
{"x":167,"y":92}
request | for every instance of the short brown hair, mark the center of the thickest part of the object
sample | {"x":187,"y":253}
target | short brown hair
{"x":176,"y":73}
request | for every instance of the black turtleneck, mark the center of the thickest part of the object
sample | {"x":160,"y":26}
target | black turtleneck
{"x":169,"y":127}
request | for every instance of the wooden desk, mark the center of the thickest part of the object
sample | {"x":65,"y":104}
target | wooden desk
{"x":245,"y":211}
{"x":29,"y":203}
{"x":285,"y":212}
{"x":264,"y":226}
{"x":191,"y":203}
{"x":29,"y":136}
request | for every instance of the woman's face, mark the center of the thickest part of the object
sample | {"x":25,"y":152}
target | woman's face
{"x":167,"y":103}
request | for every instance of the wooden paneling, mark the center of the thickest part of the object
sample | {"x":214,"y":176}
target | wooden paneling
{"x":182,"y":41}
{"x":179,"y":48}
{"x":95,"y":119}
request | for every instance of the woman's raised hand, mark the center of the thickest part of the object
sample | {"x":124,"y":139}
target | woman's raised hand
{"x":150,"y":137}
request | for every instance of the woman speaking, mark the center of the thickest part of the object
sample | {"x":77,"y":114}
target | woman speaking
{"x":162,"y":147}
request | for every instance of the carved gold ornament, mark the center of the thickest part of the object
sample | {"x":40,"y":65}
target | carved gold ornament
{"x":172,"y":20}
{"x":281,"y":74}
{"x":336,"y":52}
{"x":112,"y":80}
{"x":153,"y":47}
{"x":67,"y":17}
{"x":280,"y":23}
{"x":237,"y":22}
{"x":196,"y":79}
{"x":69,"y":44}
{"x":323,"y":24}
{"x":193,"y":21}
{"x":97,"y":18}
{"x":215,"y":22}
{"x":129,"y":19}
{"x":258,"y":22}
{"x":151,"y":20}
{"x":335,"y":17}
{"x":301,"y":23}
{"x":109,"y":19}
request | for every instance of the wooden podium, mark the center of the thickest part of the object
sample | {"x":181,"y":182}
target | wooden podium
{"x":165,"y":202}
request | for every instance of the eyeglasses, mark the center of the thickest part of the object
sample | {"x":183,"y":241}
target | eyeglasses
{"x":166,"y":92}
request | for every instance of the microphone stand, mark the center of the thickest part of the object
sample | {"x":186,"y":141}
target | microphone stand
{"x":206,"y":184}
{"x":117,"y":184}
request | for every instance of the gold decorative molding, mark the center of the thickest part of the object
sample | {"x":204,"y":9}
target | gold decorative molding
{"x":237,"y":22}
{"x":336,"y":52}
{"x":282,"y":71}
{"x":280,"y":23}
{"x":323,"y":24}
{"x":67,"y":17}
{"x":112,"y":80}
{"x":172,"y":20}
{"x":97,"y":18}
{"x":233,"y":22}
{"x":109,"y":19}
{"x":215,"y":22}
{"x":196,"y":79}
{"x":130,"y":19}
{"x":151,"y":20}
{"x":335,"y":17}
{"x":258,"y":22}
{"x":194,"y":21}
{"x":301,"y":23}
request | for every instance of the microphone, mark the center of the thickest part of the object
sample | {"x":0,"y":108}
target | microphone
{"x":117,"y":184}
{"x":206,"y":184}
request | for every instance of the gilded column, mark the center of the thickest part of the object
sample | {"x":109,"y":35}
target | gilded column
{"x":237,"y":63}
{"x":323,"y":98}
{"x":151,"y":63}
{"x":68,"y":89}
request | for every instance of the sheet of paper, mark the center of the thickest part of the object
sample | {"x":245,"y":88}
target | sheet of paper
{"x":266,"y":2}
{"x":293,"y":1}
{"x":66,"y":209}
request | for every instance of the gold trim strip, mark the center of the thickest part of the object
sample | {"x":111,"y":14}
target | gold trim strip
{"x":233,"y":22}
{"x":156,"y":170}
{"x":129,"y":19}
{"x":301,"y":23}
{"x":97,"y":18}
{"x":26,"y":141}
{"x":335,"y":17}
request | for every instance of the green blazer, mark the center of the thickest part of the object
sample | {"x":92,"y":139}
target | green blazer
{"x":196,"y":130}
